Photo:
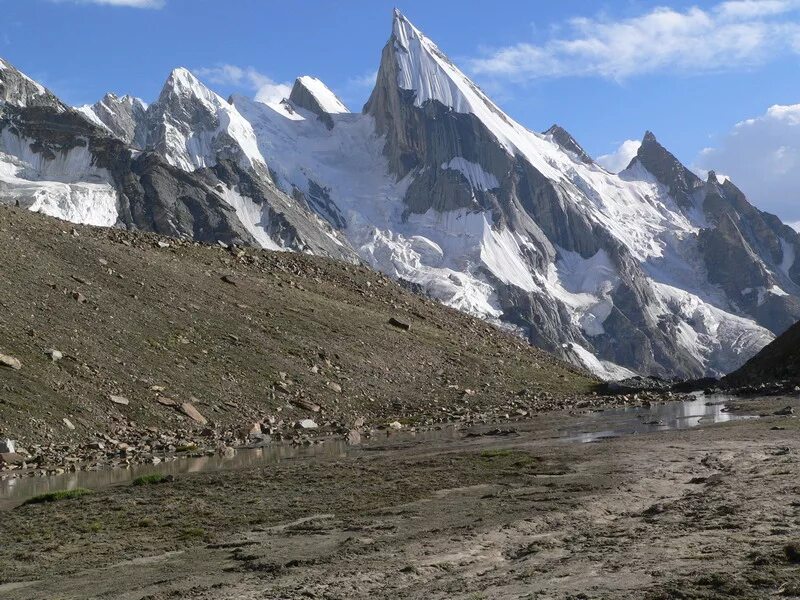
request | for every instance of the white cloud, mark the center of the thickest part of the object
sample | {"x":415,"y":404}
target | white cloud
{"x":127,"y":3}
{"x":367,"y":80}
{"x":762,"y":157}
{"x":266,"y":89}
{"x":621,"y":157}
{"x":730,"y":36}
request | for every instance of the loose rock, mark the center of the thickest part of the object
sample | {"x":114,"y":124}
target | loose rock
{"x":121,"y":400}
{"x":190,"y":411}
{"x":10,"y":362}
{"x":400,"y":324}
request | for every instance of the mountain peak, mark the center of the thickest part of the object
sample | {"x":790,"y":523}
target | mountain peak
{"x":667,"y":169}
{"x":193,"y":127}
{"x":312,"y":94}
{"x":564,"y":139}
{"x":17,"y":89}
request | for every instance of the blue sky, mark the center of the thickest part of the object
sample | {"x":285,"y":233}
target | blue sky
{"x":606,"y":71}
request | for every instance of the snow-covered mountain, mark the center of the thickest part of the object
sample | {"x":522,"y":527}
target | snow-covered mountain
{"x":650,"y":270}
{"x":200,"y":175}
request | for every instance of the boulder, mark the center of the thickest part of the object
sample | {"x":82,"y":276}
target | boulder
{"x":190,"y":411}
{"x":9,"y":361}
{"x":399,"y":323}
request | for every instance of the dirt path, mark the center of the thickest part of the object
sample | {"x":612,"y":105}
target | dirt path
{"x":703,"y":513}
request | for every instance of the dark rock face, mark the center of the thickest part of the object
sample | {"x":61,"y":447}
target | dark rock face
{"x":777,"y":362}
{"x":304,"y":97}
{"x":563,"y":138}
{"x":125,"y":117}
{"x":19,"y":90}
{"x":682,"y":183}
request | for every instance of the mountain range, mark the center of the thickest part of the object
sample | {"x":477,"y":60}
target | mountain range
{"x":651,"y":270}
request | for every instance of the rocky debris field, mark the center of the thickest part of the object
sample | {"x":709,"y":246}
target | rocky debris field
{"x":120,"y":347}
{"x":709,"y":513}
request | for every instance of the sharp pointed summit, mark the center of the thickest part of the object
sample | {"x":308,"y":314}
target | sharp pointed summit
{"x":193,"y":127}
{"x":563,"y":138}
{"x":667,"y":169}
{"x":313,"y":95}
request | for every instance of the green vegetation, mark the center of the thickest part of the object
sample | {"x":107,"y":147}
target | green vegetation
{"x":152,"y":479}
{"x":57,"y":496}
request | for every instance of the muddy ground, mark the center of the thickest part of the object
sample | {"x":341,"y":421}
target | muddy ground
{"x":712,"y":512}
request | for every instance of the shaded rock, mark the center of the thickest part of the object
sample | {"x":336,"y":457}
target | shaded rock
{"x":306,"y":404}
{"x":10,"y":362}
{"x":784,"y":412}
{"x":190,"y":411}
{"x":400,"y":324}
{"x":11,"y":458}
{"x":55,"y":355}
{"x":353,"y":437}
{"x":7,"y":445}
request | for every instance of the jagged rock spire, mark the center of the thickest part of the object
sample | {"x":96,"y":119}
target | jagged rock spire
{"x":667,"y":169}
{"x":563,"y":138}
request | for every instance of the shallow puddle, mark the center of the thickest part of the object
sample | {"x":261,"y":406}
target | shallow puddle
{"x":618,"y":422}
{"x":591,"y":427}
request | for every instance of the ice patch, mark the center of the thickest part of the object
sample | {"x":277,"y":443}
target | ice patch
{"x":603,"y":369}
{"x":253,"y":217}
{"x":585,"y":286}
{"x":474,"y":173}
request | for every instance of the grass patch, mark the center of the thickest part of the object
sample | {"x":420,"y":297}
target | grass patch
{"x":57,"y":496}
{"x":192,"y":533}
{"x":153,"y":479}
{"x":497,"y":453}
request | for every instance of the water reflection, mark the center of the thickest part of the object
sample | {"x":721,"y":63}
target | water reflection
{"x":703,"y":410}
{"x":586,"y":428}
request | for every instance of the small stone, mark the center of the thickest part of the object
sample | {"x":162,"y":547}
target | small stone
{"x":164,"y":401}
{"x":157,"y":388}
{"x":307,"y":424}
{"x":305,"y":404}
{"x":7,"y":446}
{"x":396,"y":425}
{"x":353,"y":437}
{"x":400,"y":324}
{"x":10,"y":362}
{"x":784,"y":412}
{"x":226,"y":451}
{"x":55,"y":355}
{"x":229,"y":279}
{"x":163,"y":244}
{"x":190,"y":411}
{"x":121,"y":400}
{"x":79,"y":298}
{"x":11,"y":458}
{"x":334,"y":386}
{"x":69,"y":424}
